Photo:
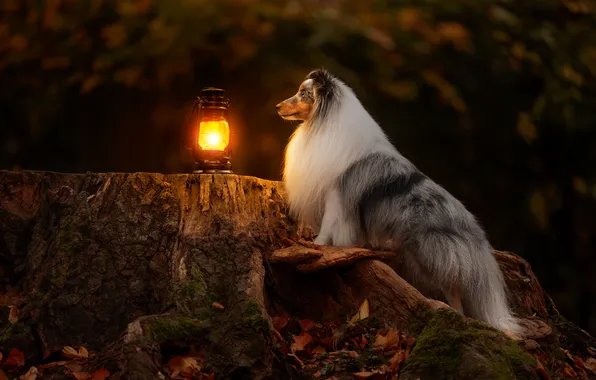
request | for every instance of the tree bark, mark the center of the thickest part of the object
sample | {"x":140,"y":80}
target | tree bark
{"x":137,"y":265}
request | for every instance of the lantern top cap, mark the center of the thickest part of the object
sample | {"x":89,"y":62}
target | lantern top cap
{"x":214,"y":95}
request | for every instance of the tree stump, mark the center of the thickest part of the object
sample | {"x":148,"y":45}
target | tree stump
{"x":138,"y":267}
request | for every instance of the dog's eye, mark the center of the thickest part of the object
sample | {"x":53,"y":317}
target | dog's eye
{"x":303,"y":93}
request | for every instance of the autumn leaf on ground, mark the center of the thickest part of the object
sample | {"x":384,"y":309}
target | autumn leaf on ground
{"x":82,"y":375}
{"x":183,"y":365}
{"x":306,"y":324}
{"x":387,"y":341}
{"x":11,"y":297}
{"x":15,"y":358}
{"x":569,"y":371}
{"x":362,"y":313}
{"x":396,"y":360}
{"x":280,"y":321}
{"x":363,"y":375}
{"x":318,"y":350}
{"x":590,"y":365}
{"x":53,"y":364}
{"x":13,"y":316}
{"x":540,"y":369}
{"x":30,"y":375}
{"x":363,"y":342}
{"x":217,"y":306}
{"x":74,"y":366}
{"x":71,"y":353}
{"x":100,"y":374}
{"x":301,"y":341}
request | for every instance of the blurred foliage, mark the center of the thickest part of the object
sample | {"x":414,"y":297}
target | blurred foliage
{"x":494,"y":99}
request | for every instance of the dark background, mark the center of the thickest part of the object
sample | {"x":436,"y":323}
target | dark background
{"x":495,"y":100}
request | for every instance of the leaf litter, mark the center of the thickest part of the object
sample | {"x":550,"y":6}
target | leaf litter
{"x":361,"y":347}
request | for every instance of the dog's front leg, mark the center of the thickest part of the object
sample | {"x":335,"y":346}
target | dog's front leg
{"x":325,"y":236}
{"x":336,"y":229}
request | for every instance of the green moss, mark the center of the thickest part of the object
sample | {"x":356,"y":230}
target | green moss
{"x":181,"y":328}
{"x":423,"y":316}
{"x":190,"y":295}
{"x":254,"y":318}
{"x":450,"y":347}
{"x":69,"y":241}
{"x":7,"y":334}
{"x":14,"y":334}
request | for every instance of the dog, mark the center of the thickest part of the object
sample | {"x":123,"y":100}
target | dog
{"x":346,"y":179}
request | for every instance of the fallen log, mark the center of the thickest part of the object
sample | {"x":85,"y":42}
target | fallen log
{"x":144,"y":268}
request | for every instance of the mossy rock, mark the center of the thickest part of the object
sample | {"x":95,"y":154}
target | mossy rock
{"x":173,"y":329}
{"x":451,"y":347}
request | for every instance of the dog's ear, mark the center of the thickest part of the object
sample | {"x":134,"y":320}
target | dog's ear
{"x":320,"y":77}
{"x":323,"y":84}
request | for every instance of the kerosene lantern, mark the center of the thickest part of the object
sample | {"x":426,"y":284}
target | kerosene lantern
{"x":211,"y":132}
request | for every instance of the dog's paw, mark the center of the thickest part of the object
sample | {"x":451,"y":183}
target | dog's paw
{"x":320,"y":240}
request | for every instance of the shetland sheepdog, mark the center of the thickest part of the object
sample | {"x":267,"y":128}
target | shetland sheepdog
{"x":346,"y":180}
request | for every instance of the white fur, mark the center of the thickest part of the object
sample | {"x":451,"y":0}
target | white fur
{"x":349,"y":133}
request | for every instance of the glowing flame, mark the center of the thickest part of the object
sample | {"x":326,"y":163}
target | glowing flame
{"x":214,"y":135}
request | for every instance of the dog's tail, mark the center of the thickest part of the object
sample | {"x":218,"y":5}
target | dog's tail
{"x":466,"y":260}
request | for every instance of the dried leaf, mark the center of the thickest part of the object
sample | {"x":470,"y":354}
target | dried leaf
{"x":15,"y":358}
{"x":363,"y":312}
{"x":387,"y":341}
{"x":82,"y":375}
{"x":183,"y":365}
{"x":217,"y":306}
{"x":301,"y":341}
{"x":396,"y":360}
{"x":74,"y":366}
{"x":12,"y":297}
{"x":363,"y":375}
{"x":363,"y":342}
{"x":100,"y":374}
{"x":83,"y":353}
{"x":280,"y":321}
{"x":71,"y":353}
{"x":53,"y":364}
{"x":306,"y":324}
{"x":540,"y":369}
{"x":568,"y":371}
{"x":590,"y":365}
{"x":318,"y":350}
{"x":13,"y":315}
{"x":31,"y":374}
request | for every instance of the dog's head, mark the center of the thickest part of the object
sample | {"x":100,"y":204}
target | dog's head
{"x":313,"y":96}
